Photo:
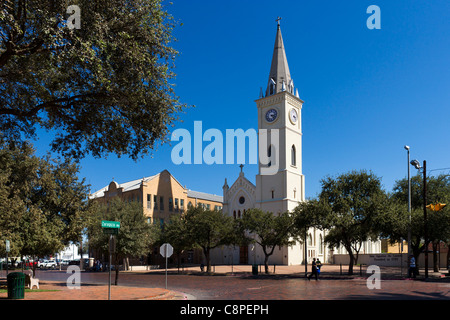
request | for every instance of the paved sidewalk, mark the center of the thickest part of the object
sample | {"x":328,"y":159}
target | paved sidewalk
{"x":60,"y":291}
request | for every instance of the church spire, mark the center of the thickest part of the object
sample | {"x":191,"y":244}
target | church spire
{"x":280,"y":77}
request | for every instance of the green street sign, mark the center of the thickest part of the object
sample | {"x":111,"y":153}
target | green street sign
{"x":111,"y":224}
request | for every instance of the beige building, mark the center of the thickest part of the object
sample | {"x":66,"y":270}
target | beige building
{"x":161,"y":196}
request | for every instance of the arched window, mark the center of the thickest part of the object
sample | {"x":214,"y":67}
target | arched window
{"x":293,"y":156}
{"x":272,"y":87}
{"x":239,"y":213}
{"x":234,"y":214}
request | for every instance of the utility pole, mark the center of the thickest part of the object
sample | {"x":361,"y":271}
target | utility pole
{"x":425,"y":215}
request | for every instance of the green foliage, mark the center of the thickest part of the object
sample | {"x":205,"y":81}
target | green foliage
{"x":438,"y":191}
{"x":268,"y":230}
{"x":43,"y":204}
{"x":136,"y":235}
{"x":208,"y":229}
{"x":355,"y":200}
{"x":103,"y":88}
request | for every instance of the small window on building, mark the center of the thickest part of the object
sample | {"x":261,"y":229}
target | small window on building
{"x":149,"y":201}
{"x":293,"y":156}
{"x":171,"y":204}
{"x":182,"y":204}
{"x":155,"y":202}
{"x":161,"y":203}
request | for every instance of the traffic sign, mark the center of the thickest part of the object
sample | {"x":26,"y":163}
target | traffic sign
{"x":166,"y":250}
{"x":8,"y":246}
{"x":111,"y":224}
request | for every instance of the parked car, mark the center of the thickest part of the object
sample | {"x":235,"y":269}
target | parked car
{"x":47,"y":264}
{"x":65,"y":262}
{"x":51,"y":264}
{"x":42,"y":264}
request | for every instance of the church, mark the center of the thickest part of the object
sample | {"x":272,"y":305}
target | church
{"x":279,"y":109}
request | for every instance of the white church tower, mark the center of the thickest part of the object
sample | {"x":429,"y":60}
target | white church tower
{"x":280,"y":184}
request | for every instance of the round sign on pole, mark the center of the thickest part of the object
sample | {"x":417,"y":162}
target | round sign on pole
{"x":166,"y":250}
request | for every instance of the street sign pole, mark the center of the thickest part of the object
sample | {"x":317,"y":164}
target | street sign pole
{"x":109,"y":267}
{"x":165,"y":253}
{"x":111,"y":228}
{"x":8,"y":248}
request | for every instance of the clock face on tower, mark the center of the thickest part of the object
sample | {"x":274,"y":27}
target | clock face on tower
{"x":271,"y":115}
{"x":293,"y":116}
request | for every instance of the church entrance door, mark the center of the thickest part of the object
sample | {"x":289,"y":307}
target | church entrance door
{"x":243,"y":255}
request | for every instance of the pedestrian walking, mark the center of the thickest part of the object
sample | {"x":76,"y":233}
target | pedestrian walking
{"x":314,"y":270}
{"x":318,"y":266}
{"x":412,"y":267}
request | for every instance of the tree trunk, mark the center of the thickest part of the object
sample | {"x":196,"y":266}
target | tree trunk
{"x":116,"y":281}
{"x":266,"y":258}
{"x":208,"y":259}
{"x":435,"y":256}
{"x":352,"y":259}
{"x":266,"y":264}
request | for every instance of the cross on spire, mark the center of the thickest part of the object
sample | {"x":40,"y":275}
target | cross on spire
{"x":278,"y":20}
{"x":242,"y":167}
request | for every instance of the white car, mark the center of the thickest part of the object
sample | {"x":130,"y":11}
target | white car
{"x":48,"y":264}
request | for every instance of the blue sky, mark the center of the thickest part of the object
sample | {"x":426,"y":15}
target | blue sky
{"x":367,"y":92}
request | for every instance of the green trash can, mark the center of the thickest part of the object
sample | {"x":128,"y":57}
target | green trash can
{"x":255,"y":269}
{"x":16,"y":285}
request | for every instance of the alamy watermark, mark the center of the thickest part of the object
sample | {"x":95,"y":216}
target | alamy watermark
{"x":374,"y":21}
{"x":74,"y":280}
{"x":74,"y":20}
{"x":235,"y":147}
{"x":374,"y":280}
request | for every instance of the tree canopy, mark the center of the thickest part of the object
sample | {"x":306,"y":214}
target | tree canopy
{"x":135,"y":237}
{"x":355,"y":200}
{"x":103,"y":88}
{"x":268,"y":230}
{"x":43,"y":203}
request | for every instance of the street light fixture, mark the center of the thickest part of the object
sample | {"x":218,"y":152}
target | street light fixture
{"x":416,"y":164}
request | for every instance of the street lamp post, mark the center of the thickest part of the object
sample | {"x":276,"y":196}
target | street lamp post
{"x":409,"y":202}
{"x":416,"y":164}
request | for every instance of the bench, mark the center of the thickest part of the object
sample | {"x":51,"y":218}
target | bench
{"x":30,"y":281}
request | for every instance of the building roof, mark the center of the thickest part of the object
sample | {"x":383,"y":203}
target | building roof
{"x":136,"y":184}
{"x":127,"y":186}
{"x":204,"y":196}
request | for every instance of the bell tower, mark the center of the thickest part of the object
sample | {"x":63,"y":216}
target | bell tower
{"x":280,"y":184}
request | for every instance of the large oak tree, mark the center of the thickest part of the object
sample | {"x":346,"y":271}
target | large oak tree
{"x":103,"y":88}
